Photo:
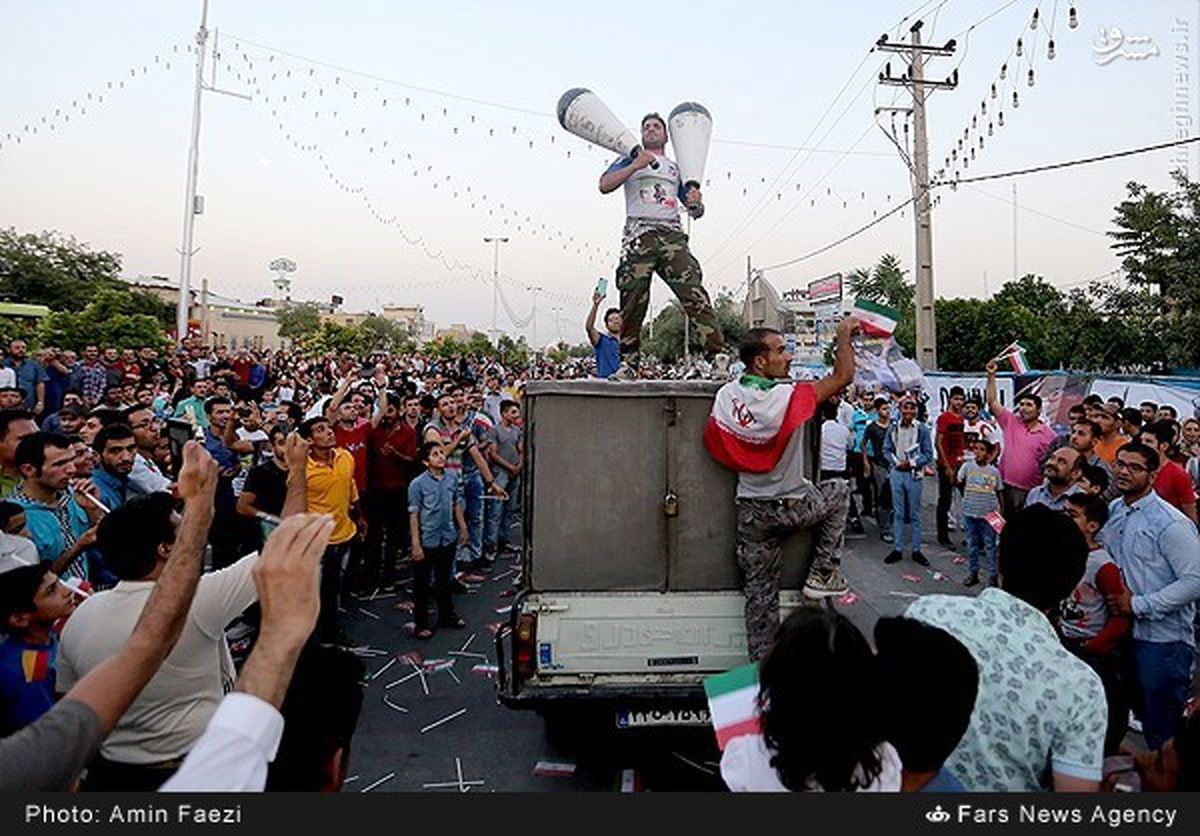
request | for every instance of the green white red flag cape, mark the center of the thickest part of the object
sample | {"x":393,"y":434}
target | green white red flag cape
{"x":752,"y":420}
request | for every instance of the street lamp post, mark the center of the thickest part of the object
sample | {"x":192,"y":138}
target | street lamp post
{"x":495,"y":242}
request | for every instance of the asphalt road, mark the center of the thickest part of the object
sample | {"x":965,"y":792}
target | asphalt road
{"x":501,"y":747}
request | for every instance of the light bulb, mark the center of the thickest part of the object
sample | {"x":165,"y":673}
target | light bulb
{"x":954,"y":154}
{"x":989,"y":128}
{"x":1031,"y":76}
{"x":1020,"y":47}
{"x":974,"y":121}
{"x":972,"y":153}
{"x":1016,"y":100}
{"x":1050,"y":50}
{"x":983,"y":106}
{"x":1000,"y":118}
{"x":980,"y":142}
{"x":1033,"y":23}
{"x":1073,"y":19}
{"x":1003,"y":71}
{"x":993,"y":91}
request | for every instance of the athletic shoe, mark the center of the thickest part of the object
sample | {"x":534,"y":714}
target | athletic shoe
{"x":893,"y":557}
{"x":822,"y":585}
{"x":887,"y":537}
{"x":920,"y":559}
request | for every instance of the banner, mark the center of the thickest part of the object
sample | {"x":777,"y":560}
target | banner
{"x":880,"y":365}
{"x":937,"y":386}
{"x":1059,"y":392}
{"x":1186,"y":400}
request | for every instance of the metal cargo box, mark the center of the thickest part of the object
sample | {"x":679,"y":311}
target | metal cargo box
{"x":621,"y":496}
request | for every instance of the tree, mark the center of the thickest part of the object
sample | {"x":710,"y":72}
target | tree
{"x":667,"y":341}
{"x":513,"y":353}
{"x":385,"y":335}
{"x":298,"y":322}
{"x":1158,"y":240}
{"x":113,"y":318}
{"x":57,"y":271}
{"x":336,"y":337}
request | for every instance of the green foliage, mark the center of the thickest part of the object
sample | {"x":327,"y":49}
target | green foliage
{"x":386,"y":335}
{"x":333,"y":336}
{"x":1103,"y":328}
{"x":298,"y":322}
{"x":667,"y":341}
{"x":1158,"y":240}
{"x":113,"y":318}
{"x":57,"y":271}
{"x":513,"y":354}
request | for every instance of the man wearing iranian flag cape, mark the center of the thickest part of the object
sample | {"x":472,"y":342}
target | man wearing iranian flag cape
{"x":753,"y":429}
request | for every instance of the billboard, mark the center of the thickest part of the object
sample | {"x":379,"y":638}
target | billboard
{"x":826,"y":290}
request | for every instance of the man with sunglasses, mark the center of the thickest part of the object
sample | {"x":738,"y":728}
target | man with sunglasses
{"x":1158,"y":551}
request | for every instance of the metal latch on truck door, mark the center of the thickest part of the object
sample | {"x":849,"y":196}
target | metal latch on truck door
{"x":671,"y":504}
{"x":551,"y":607}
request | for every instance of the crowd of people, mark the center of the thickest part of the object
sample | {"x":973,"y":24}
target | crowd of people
{"x":123,"y":473}
{"x":1086,"y":535}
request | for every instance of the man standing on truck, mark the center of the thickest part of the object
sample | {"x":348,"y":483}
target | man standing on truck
{"x":754,"y":429}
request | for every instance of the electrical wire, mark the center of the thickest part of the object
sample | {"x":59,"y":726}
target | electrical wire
{"x":1068,"y":163}
{"x":841,"y":240}
{"x":1038,"y":212}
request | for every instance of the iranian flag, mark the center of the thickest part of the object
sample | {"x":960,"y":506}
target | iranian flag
{"x":752,"y":420}
{"x":733,"y":703}
{"x":876,"y":320}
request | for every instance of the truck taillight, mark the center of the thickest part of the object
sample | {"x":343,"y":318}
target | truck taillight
{"x":524,"y":641}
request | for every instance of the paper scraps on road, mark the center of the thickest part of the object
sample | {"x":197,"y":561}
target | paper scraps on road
{"x":444,"y":720}
{"x":368,"y":614}
{"x":467,"y":643}
{"x":379,"y":672}
{"x":911,"y":578}
{"x":996,"y":521}
{"x":940,"y":576}
{"x":403,"y":606}
{"x":554,"y":769}
{"x":959,"y":561}
{"x":503,"y":610}
{"x":487,"y":670}
{"x":400,"y":681}
{"x":848,"y":599}
{"x":394,"y":706}
{"x":497,"y":627}
{"x":895,"y":594}
{"x":631,"y":781}
{"x":467,"y":654}
{"x":375,"y":784}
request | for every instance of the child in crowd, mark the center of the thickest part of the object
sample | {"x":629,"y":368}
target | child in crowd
{"x":435,"y":508}
{"x":32,"y":601}
{"x":1093,"y":479}
{"x":981,"y":496}
{"x":1088,"y":629}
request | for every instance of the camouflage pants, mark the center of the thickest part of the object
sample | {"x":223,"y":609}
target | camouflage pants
{"x":762,"y":525}
{"x":665,"y":252}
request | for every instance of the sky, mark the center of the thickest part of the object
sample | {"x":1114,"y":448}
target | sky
{"x":411,"y":131}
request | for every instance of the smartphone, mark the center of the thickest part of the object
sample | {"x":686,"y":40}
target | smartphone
{"x":602,"y":287}
{"x":179,"y":433}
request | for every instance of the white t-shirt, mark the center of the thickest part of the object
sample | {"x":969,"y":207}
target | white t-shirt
{"x":174,"y":708}
{"x":836,"y":440}
{"x":8,"y":377}
{"x":746,"y":767}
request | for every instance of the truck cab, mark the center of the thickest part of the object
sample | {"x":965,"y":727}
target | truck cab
{"x":630,"y":593}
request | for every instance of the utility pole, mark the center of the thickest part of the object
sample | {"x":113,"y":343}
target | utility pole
{"x":194,"y":205}
{"x":495,"y":242}
{"x":1015,"y":275}
{"x":915,"y":82}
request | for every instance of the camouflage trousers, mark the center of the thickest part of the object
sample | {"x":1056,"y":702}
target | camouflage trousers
{"x":665,"y":252}
{"x":762,"y":525}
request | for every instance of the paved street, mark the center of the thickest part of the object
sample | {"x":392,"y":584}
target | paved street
{"x":501,"y":747}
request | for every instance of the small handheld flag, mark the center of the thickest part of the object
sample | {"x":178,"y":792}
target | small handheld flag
{"x":874,"y":319}
{"x":733,"y":703}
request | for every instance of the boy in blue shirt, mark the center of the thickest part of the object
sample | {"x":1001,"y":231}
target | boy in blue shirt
{"x":435,"y":509}
{"x":32,"y":601}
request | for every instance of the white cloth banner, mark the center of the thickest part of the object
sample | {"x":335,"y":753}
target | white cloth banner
{"x":1185,"y":401}
{"x":938,"y":386}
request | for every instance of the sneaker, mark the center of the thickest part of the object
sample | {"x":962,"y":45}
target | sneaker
{"x":887,"y":537}
{"x":893,"y":557}
{"x":972,"y":579}
{"x":920,"y":559}
{"x":828,"y":585}
{"x":624,"y":372}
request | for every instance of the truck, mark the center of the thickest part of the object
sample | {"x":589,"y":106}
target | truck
{"x":630,"y":593}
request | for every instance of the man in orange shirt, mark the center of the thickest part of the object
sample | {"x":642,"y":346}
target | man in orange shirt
{"x":1108,"y":417}
{"x":331,"y":490}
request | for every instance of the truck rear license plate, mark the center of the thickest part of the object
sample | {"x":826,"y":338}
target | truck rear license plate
{"x":627,"y":719}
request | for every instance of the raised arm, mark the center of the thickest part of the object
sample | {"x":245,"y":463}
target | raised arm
{"x":993,"y":397}
{"x":614,"y":178}
{"x":843,"y":362}
{"x":590,"y":323}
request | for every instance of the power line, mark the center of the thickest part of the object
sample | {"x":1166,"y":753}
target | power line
{"x":799,"y":148}
{"x":1040,"y":213}
{"x":1067,"y":163}
{"x":841,"y":240}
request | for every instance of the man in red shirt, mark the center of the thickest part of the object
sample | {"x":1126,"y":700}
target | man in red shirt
{"x":1172,"y":483}
{"x":392,"y":457}
{"x":949,"y":443}
{"x":353,"y":431}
